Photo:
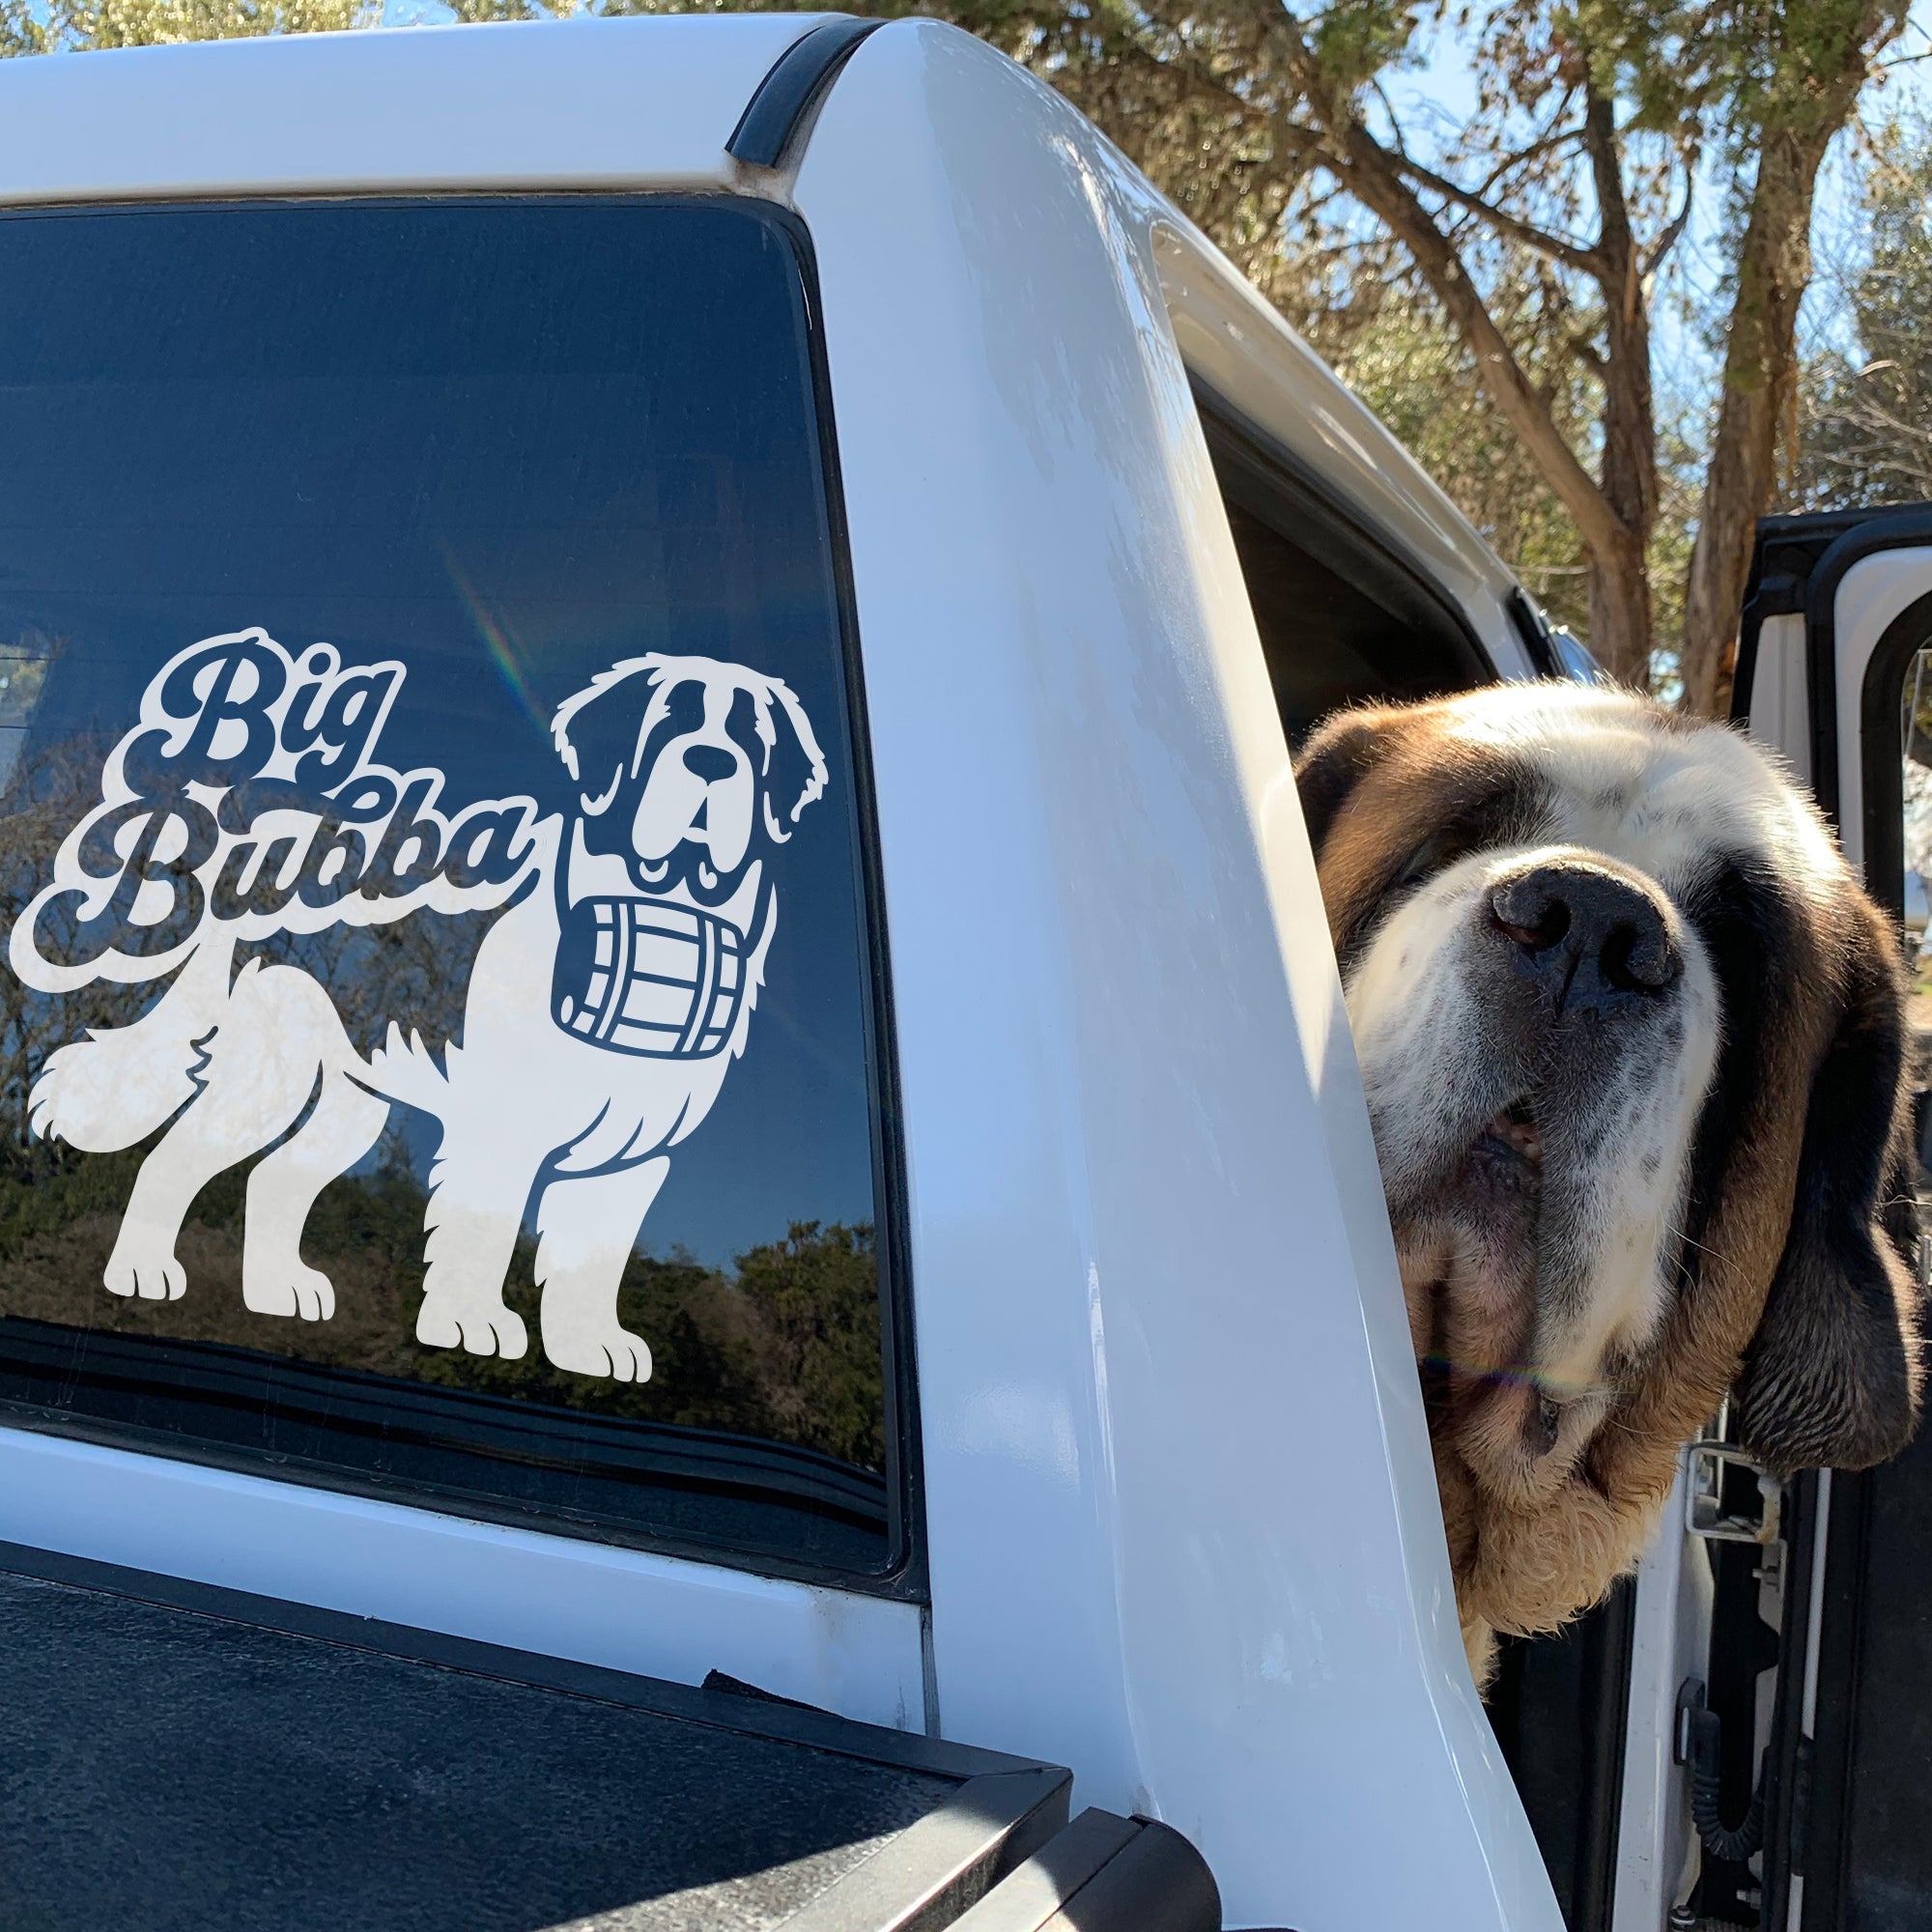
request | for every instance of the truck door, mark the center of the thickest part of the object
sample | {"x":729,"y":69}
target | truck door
{"x":1836,"y":668}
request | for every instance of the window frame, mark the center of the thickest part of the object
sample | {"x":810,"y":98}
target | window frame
{"x":903,"y":1575}
{"x":1370,"y":557}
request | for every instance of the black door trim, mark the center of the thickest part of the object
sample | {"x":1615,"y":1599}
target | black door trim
{"x":801,"y":78}
{"x":1798,"y":565}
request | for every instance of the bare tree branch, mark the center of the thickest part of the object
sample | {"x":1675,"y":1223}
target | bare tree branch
{"x":1555,"y":247}
{"x":1536,"y":150}
{"x":1660,"y":249}
{"x":1380,"y":179}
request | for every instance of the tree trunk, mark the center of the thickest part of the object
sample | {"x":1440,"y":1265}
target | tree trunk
{"x":1761,"y":358}
{"x":1760,"y":373}
{"x":1620,"y":632}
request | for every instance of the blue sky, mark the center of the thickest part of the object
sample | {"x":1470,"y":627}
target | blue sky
{"x":1443,"y":90}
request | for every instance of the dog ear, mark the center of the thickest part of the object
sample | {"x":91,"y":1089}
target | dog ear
{"x":1831,"y":1380}
{"x":598,"y":730}
{"x":1339,"y":752}
{"x":795,"y":771}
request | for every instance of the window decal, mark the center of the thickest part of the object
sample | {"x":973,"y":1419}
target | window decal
{"x":317,"y":517}
{"x":604,"y":1009}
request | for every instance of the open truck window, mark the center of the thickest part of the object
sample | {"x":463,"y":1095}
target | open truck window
{"x":443,"y":1036}
{"x":1342,"y":619}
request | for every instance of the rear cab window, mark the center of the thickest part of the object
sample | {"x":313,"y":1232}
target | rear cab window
{"x":444,"y":1042}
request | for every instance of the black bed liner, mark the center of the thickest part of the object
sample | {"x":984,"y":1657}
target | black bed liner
{"x":174,"y":1757}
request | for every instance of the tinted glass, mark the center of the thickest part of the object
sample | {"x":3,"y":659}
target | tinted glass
{"x":439,"y":1032}
{"x":1340,"y":623}
{"x":1914,"y":764}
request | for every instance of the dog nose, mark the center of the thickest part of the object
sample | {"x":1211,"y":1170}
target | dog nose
{"x":709,"y":762}
{"x":1587,"y":938}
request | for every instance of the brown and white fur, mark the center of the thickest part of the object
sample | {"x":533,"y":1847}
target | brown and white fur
{"x":1635,"y":1049}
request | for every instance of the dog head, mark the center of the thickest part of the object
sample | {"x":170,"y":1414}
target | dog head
{"x":1635,"y":1049}
{"x":683,"y":765}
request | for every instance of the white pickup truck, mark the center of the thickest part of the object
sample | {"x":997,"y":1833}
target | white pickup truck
{"x":666,"y":1018}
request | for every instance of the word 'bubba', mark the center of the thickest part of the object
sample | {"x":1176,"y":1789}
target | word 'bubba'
{"x":249,"y":795}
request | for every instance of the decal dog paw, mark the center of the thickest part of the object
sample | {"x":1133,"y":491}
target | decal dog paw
{"x":298,"y":1290}
{"x":151,"y":1276}
{"x":590,"y":1347}
{"x":604,"y":1009}
{"x":484,"y":1328}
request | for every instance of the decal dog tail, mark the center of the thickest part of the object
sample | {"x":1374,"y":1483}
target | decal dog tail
{"x":117,"y":1087}
{"x":406,"y":1070}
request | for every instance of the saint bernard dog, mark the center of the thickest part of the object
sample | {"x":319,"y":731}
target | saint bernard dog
{"x":1634,"y":1048}
{"x":605,"y":1006}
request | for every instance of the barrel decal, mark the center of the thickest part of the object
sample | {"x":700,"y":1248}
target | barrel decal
{"x":639,"y":975}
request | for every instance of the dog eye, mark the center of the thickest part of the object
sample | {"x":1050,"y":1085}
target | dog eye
{"x":1425,"y":858}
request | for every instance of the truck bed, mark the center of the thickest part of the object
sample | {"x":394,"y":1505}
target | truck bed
{"x":176,"y":1756}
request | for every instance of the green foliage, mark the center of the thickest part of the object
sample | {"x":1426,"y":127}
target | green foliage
{"x":19,"y":32}
{"x":786,"y":1347}
{"x":1358,"y":40}
{"x":816,"y":1295}
{"x":66,"y":24}
{"x":1865,"y":404}
{"x":1709,"y":70}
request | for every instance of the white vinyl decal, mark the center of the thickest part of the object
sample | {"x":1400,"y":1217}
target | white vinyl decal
{"x":605,"y":1007}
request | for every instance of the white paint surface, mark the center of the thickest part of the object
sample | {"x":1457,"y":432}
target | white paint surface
{"x":623,"y":1609}
{"x":1670,"y":1638}
{"x":571,"y":103}
{"x":1874,"y":591}
{"x":1184,"y":1527}
{"x":1780,"y":714}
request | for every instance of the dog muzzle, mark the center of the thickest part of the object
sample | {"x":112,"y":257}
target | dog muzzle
{"x":639,"y":975}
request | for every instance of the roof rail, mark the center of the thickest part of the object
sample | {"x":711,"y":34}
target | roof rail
{"x":793,"y":88}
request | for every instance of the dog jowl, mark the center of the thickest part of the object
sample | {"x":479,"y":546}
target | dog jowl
{"x":606,"y":1004}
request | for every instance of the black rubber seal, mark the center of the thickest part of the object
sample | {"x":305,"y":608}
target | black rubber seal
{"x":793,"y":88}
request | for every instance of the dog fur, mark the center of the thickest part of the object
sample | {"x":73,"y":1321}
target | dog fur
{"x":1611,"y":1214}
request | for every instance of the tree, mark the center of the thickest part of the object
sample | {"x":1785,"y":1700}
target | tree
{"x":1866,"y":403}
{"x":1527,"y":244}
{"x":1570,"y":184}
{"x":1794,"y":103}
{"x":1539,"y":229}
{"x":26,"y":28}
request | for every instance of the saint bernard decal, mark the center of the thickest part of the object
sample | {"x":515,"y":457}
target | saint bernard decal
{"x":607,"y":1002}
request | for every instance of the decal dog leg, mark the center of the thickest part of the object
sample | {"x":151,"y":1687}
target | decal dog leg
{"x":587,"y":1226}
{"x":345,"y":1124}
{"x":490,"y":1148}
{"x":257,"y":1074}
{"x":478,"y":1186}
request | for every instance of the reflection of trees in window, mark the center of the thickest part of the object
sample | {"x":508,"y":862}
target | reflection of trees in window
{"x":1915,"y":735}
{"x":47,"y":795}
{"x":785,"y":1347}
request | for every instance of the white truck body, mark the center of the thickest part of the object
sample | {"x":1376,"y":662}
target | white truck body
{"x":1180,"y":1523}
